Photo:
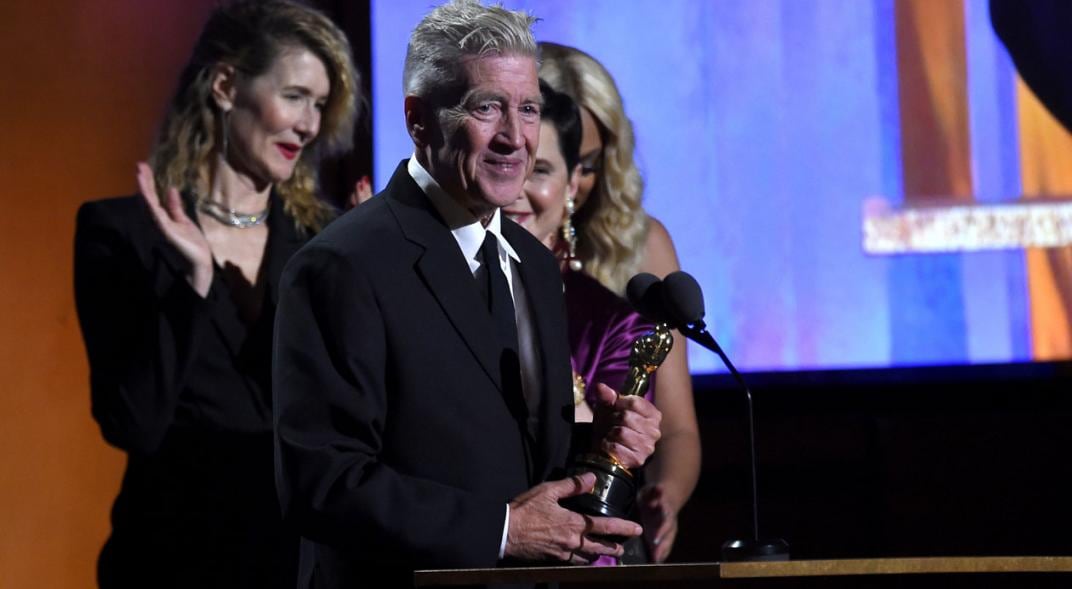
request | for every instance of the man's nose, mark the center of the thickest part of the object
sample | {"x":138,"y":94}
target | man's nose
{"x":510,"y":130}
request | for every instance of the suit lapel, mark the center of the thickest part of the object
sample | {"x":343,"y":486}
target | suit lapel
{"x":544,"y":292}
{"x":446,"y":273}
{"x":283,"y":242}
{"x":444,"y":270}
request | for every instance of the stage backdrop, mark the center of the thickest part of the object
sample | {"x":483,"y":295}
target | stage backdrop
{"x":763,"y":126}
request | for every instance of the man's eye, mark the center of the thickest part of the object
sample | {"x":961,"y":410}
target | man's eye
{"x":530,"y":109}
{"x":485,"y":108}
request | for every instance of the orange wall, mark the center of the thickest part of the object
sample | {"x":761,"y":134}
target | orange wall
{"x":84,"y":83}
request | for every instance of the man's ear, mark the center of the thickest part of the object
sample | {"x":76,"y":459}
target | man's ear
{"x":417,"y":113}
{"x":223,"y":85}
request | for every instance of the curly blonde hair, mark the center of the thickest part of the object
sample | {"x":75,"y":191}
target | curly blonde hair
{"x":249,"y":35}
{"x":611,"y":225}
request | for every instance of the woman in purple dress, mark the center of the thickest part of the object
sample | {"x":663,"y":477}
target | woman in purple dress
{"x":617,"y":239}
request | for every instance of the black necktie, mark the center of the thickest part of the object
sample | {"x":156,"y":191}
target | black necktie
{"x":501,"y":307}
{"x":500,"y":303}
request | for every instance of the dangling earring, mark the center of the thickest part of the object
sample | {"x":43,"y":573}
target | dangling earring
{"x":223,"y":133}
{"x":569,"y":233}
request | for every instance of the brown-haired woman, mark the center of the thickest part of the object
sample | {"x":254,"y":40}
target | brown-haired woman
{"x":176,"y":291}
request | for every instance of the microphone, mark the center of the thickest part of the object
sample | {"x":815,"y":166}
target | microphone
{"x":679,"y":300}
{"x":683,"y":299}
{"x":644,"y":292}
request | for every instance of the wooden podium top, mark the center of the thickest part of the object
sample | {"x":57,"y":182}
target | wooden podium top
{"x":743,"y":570}
{"x":898,"y":566}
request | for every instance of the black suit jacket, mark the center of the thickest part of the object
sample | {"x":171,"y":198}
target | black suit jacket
{"x":398,"y":447}
{"x":184,"y":387}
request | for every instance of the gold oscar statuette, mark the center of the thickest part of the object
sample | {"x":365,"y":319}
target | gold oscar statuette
{"x":615,"y":490}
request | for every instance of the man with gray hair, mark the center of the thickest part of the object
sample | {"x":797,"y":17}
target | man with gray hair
{"x":422,"y":376}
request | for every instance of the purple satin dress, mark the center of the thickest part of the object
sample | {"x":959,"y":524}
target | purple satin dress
{"x":602,"y":327}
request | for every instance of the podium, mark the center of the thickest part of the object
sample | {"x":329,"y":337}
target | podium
{"x":1012,"y":569}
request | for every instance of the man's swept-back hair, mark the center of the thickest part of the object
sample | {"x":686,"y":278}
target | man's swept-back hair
{"x":459,"y":29}
{"x":250,"y":35}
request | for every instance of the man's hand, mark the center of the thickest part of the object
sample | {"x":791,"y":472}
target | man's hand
{"x":625,"y":427}
{"x":541,"y":529}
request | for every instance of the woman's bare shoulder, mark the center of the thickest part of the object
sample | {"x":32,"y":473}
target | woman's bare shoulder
{"x":660,"y":257}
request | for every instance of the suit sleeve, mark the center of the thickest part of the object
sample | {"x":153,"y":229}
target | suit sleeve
{"x":141,"y":328}
{"x":331,"y":391}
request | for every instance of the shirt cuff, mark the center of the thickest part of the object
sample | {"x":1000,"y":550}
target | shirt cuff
{"x":506,"y":528}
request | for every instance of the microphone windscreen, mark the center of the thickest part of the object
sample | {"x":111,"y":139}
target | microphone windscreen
{"x":643,"y":292}
{"x":682,"y":298}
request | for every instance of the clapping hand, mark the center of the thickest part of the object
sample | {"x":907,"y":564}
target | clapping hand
{"x":179,"y":230}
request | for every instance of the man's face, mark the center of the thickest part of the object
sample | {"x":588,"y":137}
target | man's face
{"x":490,"y":138}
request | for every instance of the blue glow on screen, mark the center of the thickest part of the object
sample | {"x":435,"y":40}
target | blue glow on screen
{"x":761,"y":127}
